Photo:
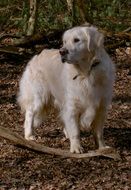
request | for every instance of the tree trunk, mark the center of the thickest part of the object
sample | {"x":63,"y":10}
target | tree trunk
{"x":69,"y":5}
{"x":32,"y":18}
{"x":25,"y":16}
{"x":80,"y":4}
{"x":85,"y":18}
{"x":72,"y":4}
{"x":71,"y":9}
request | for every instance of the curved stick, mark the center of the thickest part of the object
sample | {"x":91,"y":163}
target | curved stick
{"x":19,"y":140}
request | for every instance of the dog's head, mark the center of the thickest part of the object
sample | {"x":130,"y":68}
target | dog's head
{"x":79,"y":43}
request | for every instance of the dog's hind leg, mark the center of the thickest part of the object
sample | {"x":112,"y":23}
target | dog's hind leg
{"x":28,"y":124}
{"x":98,"y":125}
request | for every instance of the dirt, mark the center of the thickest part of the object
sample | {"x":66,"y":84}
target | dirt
{"x":22,"y":169}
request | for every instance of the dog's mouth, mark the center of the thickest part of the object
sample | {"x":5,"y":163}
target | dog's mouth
{"x":67,"y":60}
{"x":63,"y":60}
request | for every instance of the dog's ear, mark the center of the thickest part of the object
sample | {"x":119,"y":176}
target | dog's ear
{"x":95,"y":39}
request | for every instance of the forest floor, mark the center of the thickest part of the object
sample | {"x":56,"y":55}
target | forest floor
{"x":22,"y":169}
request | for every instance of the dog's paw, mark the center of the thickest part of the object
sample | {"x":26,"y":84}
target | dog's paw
{"x":104,"y":147}
{"x":66,"y":134}
{"x":30,"y":138}
{"x":76,"y":147}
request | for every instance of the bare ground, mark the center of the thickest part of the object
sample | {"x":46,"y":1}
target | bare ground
{"x":21,"y":169}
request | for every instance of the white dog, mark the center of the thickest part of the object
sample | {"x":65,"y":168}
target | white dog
{"x":78,"y":79}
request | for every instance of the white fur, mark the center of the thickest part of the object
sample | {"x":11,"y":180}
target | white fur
{"x":81,"y":92}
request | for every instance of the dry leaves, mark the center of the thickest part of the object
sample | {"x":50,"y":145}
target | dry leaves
{"x":24,"y":170}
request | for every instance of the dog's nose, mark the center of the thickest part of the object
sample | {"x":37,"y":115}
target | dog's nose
{"x":63,"y":51}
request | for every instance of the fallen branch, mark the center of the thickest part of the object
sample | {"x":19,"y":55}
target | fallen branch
{"x":41,"y":38}
{"x":19,"y":140}
{"x":10,"y":50}
{"x":4,"y":36}
{"x":31,"y":41}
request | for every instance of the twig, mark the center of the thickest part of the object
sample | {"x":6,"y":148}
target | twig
{"x":4,"y":36}
{"x":10,"y":7}
{"x":127,"y":122}
{"x":19,"y":140}
{"x":122,"y":35}
{"x":127,"y":30}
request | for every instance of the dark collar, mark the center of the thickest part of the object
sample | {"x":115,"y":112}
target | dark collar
{"x":75,"y":77}
{"x":95,"y":63}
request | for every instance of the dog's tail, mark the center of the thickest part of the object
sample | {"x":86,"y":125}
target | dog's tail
{"x":25,"y":96}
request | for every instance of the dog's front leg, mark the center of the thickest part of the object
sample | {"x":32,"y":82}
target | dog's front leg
{"x":28,"y":125}
{"x":98,"y":125}
{"x":72,"y":129}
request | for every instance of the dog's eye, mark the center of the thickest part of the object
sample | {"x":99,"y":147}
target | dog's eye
{"x":76,"y":40}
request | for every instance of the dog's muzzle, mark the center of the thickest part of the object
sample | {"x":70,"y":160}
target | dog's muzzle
{"x":63,"y":52}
